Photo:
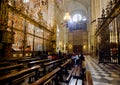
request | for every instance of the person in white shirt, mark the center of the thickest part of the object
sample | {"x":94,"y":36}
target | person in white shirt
{"x":77,"y":59}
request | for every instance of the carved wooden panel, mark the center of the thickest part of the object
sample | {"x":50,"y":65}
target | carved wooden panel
{"x":18,"y":40}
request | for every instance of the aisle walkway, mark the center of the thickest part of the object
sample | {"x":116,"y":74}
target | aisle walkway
{"x":103,"y":74}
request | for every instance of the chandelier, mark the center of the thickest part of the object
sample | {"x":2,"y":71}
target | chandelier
{"x":25,"y":1}
{"x":67,"y":16}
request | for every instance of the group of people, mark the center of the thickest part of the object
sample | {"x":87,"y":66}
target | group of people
{"x":77,"y":58}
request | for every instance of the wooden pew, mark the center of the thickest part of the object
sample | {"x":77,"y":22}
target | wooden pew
{"x":69,"y":76}
{"x":51,"y":65}
{"x":25,"y":61}
{"x":3,"y":64}
{"x":47,"y":77}
{"x":11,"y":67}
{"x":10,"y":60}
{"x":66,"y":63}
{"x":28,"y":60}
{"x":74,"y":77}
{"x":53,"y":75}
{"x":54,"y":62}
{"x":17,"y":77}
{"x":38,"y":62}
{"x":75,"y":82}
{"x":81,"y":76}
{"x":88,"y":78}
{"x":64,"y":68}
{"x":77,"y":74}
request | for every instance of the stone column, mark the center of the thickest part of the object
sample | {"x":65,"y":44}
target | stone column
{"x":5,"y":36}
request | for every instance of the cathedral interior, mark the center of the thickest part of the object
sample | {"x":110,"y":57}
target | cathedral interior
{"x":31,"y":31}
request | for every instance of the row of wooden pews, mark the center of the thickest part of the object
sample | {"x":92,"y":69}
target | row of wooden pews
{"x":76,"y":76}
{"x":38,"y":62}
{"x":18,"y":73}
{"x":11,"y":74}
{"x":11,"y":67}
{"x":53,"y":77}
{"x":45,"y":72}
{"x":3,"y":64}
{"x":14,"y":71}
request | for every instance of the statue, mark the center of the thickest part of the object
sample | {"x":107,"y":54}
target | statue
{"x":40,"y":14}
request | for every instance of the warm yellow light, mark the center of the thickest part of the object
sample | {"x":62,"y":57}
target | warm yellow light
{"x":67,"y":16}
{"x":84,"y":47}
{"x":70,"y":46}
{"x":60,"y":43}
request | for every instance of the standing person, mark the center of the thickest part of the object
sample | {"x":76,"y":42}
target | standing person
{"x":101,"y":54}
{"x":77,"y":59}
{"x":82,"y":57}
{"x":73,"y":59}
{"x":59,"y":54}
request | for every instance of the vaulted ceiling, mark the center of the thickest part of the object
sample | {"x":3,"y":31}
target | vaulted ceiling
{"x":78,"y":6}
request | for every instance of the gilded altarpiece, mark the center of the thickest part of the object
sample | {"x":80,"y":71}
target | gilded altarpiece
{"x":16,"y":22}
{"x":27,"y":34}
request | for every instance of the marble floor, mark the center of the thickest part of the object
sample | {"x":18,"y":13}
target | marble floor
{"x":103,"y":74}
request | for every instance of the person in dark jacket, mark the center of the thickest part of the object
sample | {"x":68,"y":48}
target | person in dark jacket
{"x":82,"y":57}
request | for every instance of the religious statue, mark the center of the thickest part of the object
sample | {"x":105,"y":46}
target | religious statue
{"x":40,"y":14}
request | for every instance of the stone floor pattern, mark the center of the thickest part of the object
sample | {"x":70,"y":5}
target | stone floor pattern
{"x":103,"y":74}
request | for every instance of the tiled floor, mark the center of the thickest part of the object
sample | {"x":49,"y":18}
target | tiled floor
{"x":103,"y":74}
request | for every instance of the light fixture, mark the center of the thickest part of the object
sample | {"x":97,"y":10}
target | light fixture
{"x":25,"y":1}
{"x":84,"y":18}
{"x":77,"y":17}
{"x":67,"y":16}
{"x":71,"y":21}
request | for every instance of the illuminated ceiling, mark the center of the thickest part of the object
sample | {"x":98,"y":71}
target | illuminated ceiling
{"x":78,"y":6}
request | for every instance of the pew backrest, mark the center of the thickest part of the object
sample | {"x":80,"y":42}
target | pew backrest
{"x":3,"y":64}
{"x":66,"y":63}
{"x":11,"y":67}
{"x":43,"y":80}
{"x":38,"y":62}
{"x":53,"y":62}
{"x":51,"y":75}
{"x":20,"y":75}
{"x":28,"y":60}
